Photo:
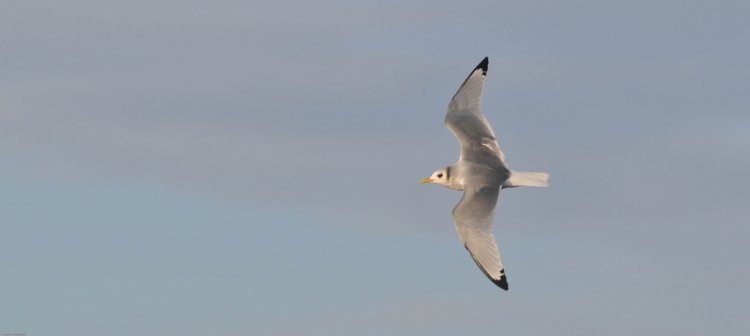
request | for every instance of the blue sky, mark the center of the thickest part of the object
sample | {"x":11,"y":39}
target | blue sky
{"x":186,"y":167}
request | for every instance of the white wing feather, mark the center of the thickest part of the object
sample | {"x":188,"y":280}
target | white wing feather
{"x":473,"y":219}
{"x":467,"y":122}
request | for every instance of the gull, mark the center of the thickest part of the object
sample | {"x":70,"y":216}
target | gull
{"x":480,"y":172}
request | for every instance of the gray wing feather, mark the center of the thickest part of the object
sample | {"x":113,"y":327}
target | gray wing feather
{"x":473,"y":219}
{"x":467,"y":122}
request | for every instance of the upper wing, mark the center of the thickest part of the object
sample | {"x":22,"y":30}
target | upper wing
{"x":467,"y":122}
{"x":473,"y":218}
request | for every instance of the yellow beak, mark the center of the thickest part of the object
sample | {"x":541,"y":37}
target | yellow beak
{"x":426,"y":180}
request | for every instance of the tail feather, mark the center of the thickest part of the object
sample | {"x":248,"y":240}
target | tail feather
{"x":527,"y":179}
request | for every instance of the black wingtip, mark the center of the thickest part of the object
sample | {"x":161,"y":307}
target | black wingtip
{"x":502,"y":283}
{"x":483,"y":65}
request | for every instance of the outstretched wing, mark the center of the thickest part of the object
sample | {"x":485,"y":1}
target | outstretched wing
{"x":467,"y":122}
{"x":473,"y":218}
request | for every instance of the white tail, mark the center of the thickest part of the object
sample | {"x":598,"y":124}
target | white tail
{"x":526,"y":179}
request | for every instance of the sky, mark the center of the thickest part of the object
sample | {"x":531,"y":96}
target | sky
{"x":238,"y":167}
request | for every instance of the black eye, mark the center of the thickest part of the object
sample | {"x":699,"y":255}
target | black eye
{"x":440,"y":175}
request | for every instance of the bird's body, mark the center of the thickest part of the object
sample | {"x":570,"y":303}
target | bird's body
{"x":480,"y":172}
{"x":464,"y":173}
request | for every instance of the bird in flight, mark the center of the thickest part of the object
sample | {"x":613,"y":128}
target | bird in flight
{"x":480,"y":172}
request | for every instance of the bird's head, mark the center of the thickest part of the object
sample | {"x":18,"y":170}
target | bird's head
{"x":439,"y":177}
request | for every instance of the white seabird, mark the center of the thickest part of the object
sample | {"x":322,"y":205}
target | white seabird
{"x":480,"y":172}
